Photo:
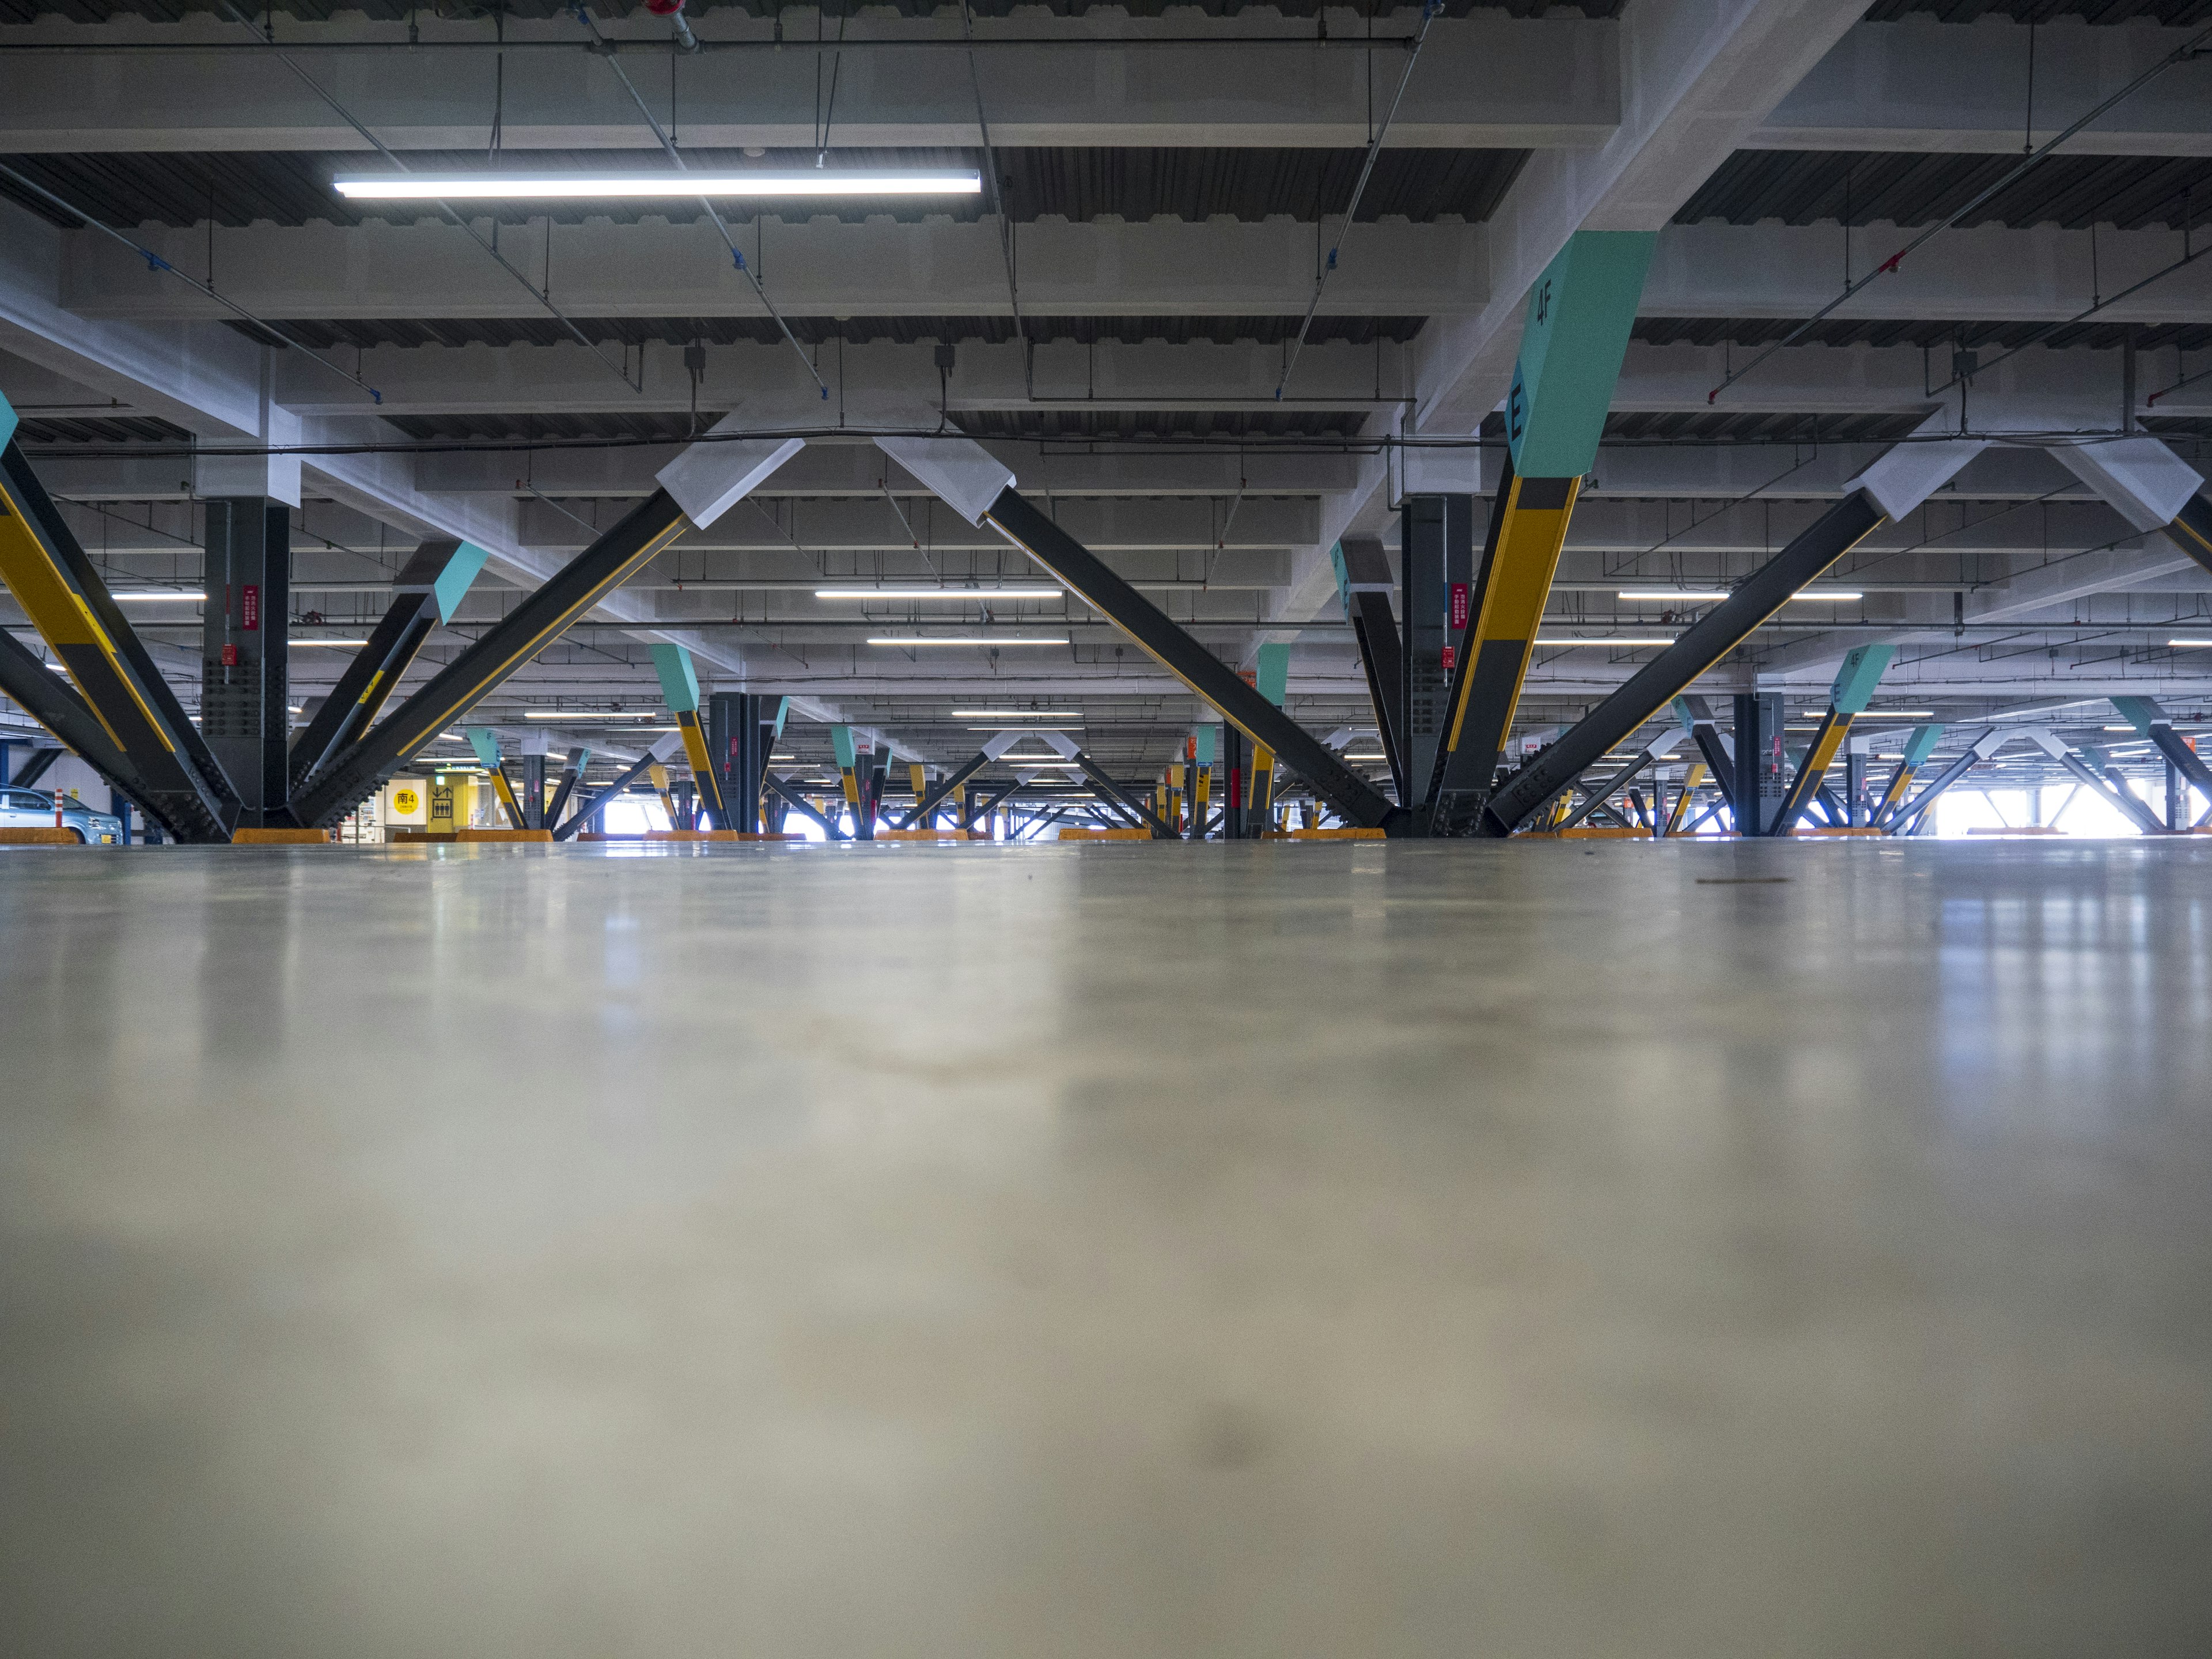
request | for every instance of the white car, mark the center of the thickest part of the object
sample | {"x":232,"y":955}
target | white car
{"x":33,"y":809}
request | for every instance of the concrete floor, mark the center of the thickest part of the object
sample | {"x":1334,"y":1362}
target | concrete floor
{"x":1517,"y":1250}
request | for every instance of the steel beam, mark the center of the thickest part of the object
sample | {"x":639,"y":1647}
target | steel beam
{"x":1706,"y":640}
{"x":50,"y":700}
{"x":1907,"y":818}
{"x":532,"y":625}
{"x":950,"y":784}
{"x":1362,"y":580}
{"x":578,"y":759}
{"x":1207,"y":675}
{"x":68,"y":602}
{"x":793,"y":799}
{"x":653,"y":756}
{"x":426,"y":591}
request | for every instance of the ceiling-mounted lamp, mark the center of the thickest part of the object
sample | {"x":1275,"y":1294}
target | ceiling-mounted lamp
{"x":608,"y":186}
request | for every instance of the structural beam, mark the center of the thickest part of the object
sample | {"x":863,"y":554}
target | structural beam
{"x":68,"y":602}
{"x":680,"y":688}
{"x":950,"y":785}
{"x":49,"y":699}
{"x":1847,"y":700}
{"x":1362,"y":580}
{"x":663,"y":747}
{"x":426,"y":590}
{"x":707,"y":477}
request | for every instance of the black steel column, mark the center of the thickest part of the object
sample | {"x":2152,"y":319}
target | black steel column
{"x":1762,"y":770}
{"x":2176,"y":798}
{"x":1235,"y":756}
{"x":533,"y":791}
{"x":1423,"y":537}
{"x":243,"y":683}
{"x":740,"y":745}
{"x":1855,"y":788}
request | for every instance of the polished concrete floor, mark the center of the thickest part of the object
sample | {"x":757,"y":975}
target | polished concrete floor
{"x":1366,"y":1250}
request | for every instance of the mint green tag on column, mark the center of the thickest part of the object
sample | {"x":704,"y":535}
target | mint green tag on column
{"x":679,"y":681}
{"x":1572,"y":340}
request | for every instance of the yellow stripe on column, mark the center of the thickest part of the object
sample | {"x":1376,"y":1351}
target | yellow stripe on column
{"x":1533,"y":531}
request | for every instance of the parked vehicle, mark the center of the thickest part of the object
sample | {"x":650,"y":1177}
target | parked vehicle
{"x":33,"y":809}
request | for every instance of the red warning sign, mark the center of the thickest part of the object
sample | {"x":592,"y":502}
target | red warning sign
{"x":249,"y":608}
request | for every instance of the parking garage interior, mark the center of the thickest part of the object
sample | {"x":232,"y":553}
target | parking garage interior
{"x":1020,"y":828}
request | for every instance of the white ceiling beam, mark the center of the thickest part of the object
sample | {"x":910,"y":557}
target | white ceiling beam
{"x":1164,"y":268}
{"x":810,"y":268}
{"x":1485,"y":82}
{"x":1919,"y":84}
{"x":1698,"y":74}
{"x":566,"y":379}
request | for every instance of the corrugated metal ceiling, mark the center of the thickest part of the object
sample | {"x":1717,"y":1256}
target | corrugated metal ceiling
{"x":294,"y":187}
{"x":93,"y":12}
{"x":1805,"y":186}
{"x":1832,"y":332}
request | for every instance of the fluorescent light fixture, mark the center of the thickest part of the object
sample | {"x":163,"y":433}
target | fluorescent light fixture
{"x":612,"y":714}
{"x":58,"y":668}
{"x":1690,"y":596}
{"x":329,"y":641}
{"x":2119,"y":728}
{"x":1073,"y":716}
{"x":1898,"y":714}
{"x":1615,"y":640}
{"x":1008,"y":639}
{"x":608,"y":186}
{"x":939,"y":592}
{"x":2183,"y":645}
{"x":1366,"y":757}
{"x":157,"y":594}
{"x":1062,"y":725}
{"x":1839,"y":595}
{"x":1028,"y":763}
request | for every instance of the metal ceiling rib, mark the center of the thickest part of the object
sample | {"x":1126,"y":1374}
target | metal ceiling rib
{"x":1843,"y":331}
{"x":854,"y":330}
{"x":95,"y":11}
{"x":1716,"y":426}
{"x":1809,"y":186}
{"x":2044,"y":11}
{"x":293,"y":187}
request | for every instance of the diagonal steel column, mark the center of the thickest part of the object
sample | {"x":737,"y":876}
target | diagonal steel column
{"x":428,"y":588}
{"x":1848,"y":697}
{"x":1363,"y":577}
{"x":696,"y":488}
{"x":1199,"y":669}
{"x":50,"y":700}
{"x":64,"y":595}
{"x":578,"y":759}
{"x":948,"y":786}
{"x":1627,"y":774}
{"x":651,"y":757}
{"x":1908,"y":816}
{"x":799,"y":804}
{"x":527,"y":630}
{"x":1709,"y":639}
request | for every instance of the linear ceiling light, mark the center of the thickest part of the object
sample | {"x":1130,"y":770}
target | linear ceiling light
{"x":1682,"y":595}
{"x":938,"y":593}
{"x":1839,"y":596}
{"x":1074,"y":716}
{"x":1009,"y":639}
{"x":572,"y":714}
{"x":604,"y":186}
{"x":300,"y":642}
{"x":2179,"y":645}
{"x":157,"y":594}
{"x":1621,"y":639}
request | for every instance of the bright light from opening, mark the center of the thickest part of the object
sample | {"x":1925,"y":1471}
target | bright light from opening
{"x":1008,"y":639}
{"x":606,"y":186}
{"x":938,"y":593}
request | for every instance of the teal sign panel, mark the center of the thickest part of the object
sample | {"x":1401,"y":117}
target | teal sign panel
{"x":679,"y":681}
{"x":6,"y":420}
{"x":1572,"y":340}
{"x":849,"y":753}
{"x":1921,"y":744}
{"x":452,"y":583}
